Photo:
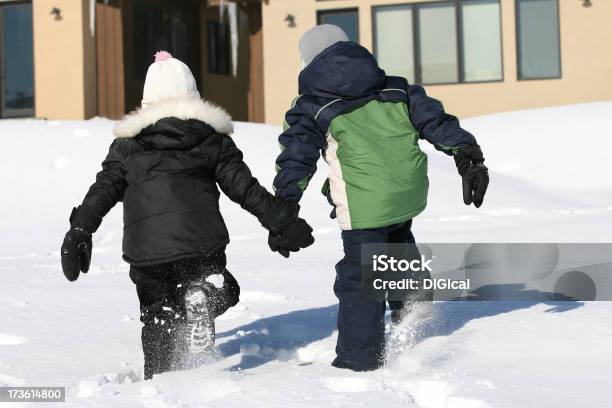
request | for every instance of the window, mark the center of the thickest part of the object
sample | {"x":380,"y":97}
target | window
{"x":539,"y":55}
{"x":347,"y":19}
{"x":218,"y":48}
{"x":440,"y":42}
{"x":16,"y":60}
{"x":481,"y":40}
{"x":392,"y":23}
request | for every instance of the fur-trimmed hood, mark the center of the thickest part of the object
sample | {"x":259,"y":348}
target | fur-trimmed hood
{"x":183,"y":108}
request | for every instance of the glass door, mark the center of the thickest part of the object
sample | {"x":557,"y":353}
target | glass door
{"x":16,"y":60}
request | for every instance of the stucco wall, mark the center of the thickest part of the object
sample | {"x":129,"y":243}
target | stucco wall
{"x":64,"y":60}
{"x":585,"y":51}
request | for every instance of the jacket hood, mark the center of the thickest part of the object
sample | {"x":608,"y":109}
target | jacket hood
{"x":174,"y":134}
{"x":344,"y":70}
{"x":182,"y":108}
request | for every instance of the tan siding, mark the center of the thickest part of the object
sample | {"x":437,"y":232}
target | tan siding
{"x":64,"y":61}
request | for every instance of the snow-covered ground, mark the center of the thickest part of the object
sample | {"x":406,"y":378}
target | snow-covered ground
{"x":550,"y":182}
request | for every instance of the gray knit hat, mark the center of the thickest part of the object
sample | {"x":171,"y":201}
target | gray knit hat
{"x":317,"y":39}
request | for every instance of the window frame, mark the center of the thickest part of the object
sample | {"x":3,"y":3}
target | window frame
{"x":337,"y":10}
{"x":517,"y":29}
{"x":459,"y":38}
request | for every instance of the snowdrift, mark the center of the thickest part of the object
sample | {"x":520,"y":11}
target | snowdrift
{"x":549,"y":183}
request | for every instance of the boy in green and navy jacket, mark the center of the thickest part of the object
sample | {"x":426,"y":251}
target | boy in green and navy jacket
{"x":367,"y":126}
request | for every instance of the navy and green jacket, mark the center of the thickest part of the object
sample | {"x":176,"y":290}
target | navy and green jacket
{"x":367,"y":125}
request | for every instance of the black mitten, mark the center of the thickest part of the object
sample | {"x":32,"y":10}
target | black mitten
{"x":77,"y":245}
{"x":475,"y":175}
{"x":295,"y":236}
{"x":76,"y":253}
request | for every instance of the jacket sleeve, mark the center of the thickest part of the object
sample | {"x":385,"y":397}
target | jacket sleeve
{"x":434,"y":124}
{"x":236,"y":181}
{"x":104,"y":194}
{"x":301,"y":143}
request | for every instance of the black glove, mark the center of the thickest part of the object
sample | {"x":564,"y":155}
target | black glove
{"x":280,"y":215}
{"x":292,"y":238}
{"x":469,"y":160}
{"x":76,"y":248}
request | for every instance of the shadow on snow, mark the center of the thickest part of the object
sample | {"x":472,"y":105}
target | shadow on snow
{"x":277,"y":338}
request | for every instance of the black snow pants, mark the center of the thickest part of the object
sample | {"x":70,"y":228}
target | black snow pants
{"x":361,"y":321}
{"x":161,"y":290}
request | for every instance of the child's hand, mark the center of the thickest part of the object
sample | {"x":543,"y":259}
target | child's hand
{"x":76,"y":253}
{"x":475,"y":175}
{"x":292,"y":238}
{"x":475,"y":183}
{"x":76,"y":248}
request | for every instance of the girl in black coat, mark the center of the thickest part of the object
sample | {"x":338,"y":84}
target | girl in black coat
{"x":165,"y":165}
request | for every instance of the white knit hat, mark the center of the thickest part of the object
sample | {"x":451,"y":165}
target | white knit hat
{"x":168,"y":78}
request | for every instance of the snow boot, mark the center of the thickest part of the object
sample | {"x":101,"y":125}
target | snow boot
{"x":200,"y":324}
{"x":370,"y":366}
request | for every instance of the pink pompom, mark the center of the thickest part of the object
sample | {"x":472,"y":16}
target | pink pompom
{"x":162,"y":56}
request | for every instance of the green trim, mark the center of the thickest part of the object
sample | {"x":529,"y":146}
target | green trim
{"x":286,"y":124}
{"x":452,"y":149}
{"x":303,"y":183}
{"x":294,"y":102}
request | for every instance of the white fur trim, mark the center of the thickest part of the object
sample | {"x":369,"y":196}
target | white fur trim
{"x":182,"y":108}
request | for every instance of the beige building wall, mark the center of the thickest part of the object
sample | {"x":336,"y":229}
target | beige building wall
{"x":586,"y":55}
{"x":64,"y":60}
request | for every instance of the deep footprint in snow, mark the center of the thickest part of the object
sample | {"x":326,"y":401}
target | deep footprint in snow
{"x":11,"y":340}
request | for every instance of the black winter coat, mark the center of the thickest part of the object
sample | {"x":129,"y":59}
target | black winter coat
{"x":165,"y":166}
